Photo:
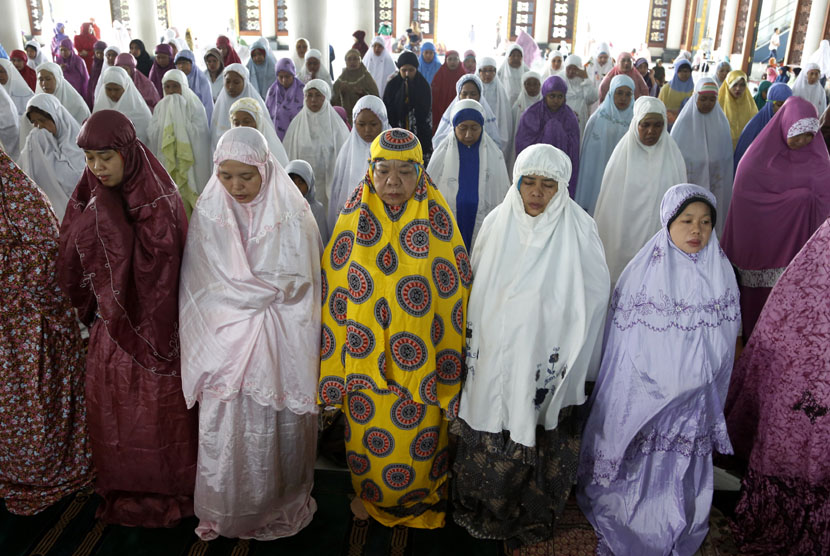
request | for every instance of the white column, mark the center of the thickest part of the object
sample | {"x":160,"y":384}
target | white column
{"x":363,"y":18}
{"x":144,"y":23}
{"x":712,"y":20}
{"x":268,"y":18}
{"x":815,"y":27}
{"x":729,"y":19}
{"x":11,"y":29}
{"x":541,"y":27}
{"x":403,"y":13}
{"x":675,"y":27}
{"x":307,"y":18}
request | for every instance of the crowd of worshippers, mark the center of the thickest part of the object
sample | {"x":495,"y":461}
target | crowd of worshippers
{"x":490,"y":286}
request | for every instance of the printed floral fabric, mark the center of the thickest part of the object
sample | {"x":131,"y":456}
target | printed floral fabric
{"x":44,"y":452}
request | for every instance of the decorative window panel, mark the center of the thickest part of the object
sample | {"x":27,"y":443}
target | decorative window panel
{"x":658,"y":23}
{"x":562,"y":21}
{"x":120,"y":11}
{"x":281,"y":10}
{"x":522,"y":18}
{"x":35,"y":8}
{"x":248,"y":16}
{"x":384,"y":13}
{"x":163,"y":14}
{"x":423,"y":11}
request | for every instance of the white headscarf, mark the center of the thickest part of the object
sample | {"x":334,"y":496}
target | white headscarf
{"x":510,"y":77}
{"x":522,"y":103}
{"x":491,"y":122}
{"x":131,"y":103}
{"x":305,"y":171}
{"x":299,"y":62}
{"x":537,"y":308}
{"x":381,"y":67}
{"x":353,"y":160}
{"x":501,"y":105}
{"x":179,"y":130}
{"x":39,"y":58}
{"x":815,"y":92}
{"x":317,"y":138}
{"x":221,"y":122}
{"x":249,"y":300}
{"x":54,"y":162}
{"x":9,"y":125}
{"x":582,"y":94}
{"x":493,"y":180}
{"x":263,"y":124}
{"x":549,"y":68}
{"x":706,"y":144}
{"x":106,"y":65}
{"x":16,"y":86}
{"x":633,"y":185}
{"x":264,"y":75}
{"x":597,"y":71}
{"x":822,"y":57}
{"x":322,"y":73}
{"x":64,"y":92}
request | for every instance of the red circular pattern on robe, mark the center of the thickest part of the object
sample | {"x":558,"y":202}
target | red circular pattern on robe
{"x":359,"y":339}
{"x":327,"y":343}
{"x":409,"y":352}
{"x":437,"y":331}
{"x":407,"y":414}
{"x":387,"y":260}
{"x":425,"y":444}
{"x":414,"y":238}
{"x":370,"y":491}
{"x":445,"y":277}
{"x":462,"y":261}
{"x":339,"y":305}
{"x":358,"y":463}
{"x":379,"y":442}
{"x":429,"y":389}
{"x":398,"y":476}
{"x":440,"y":222}
{"x":332,"y":390}
{"x":341,"y":249}
{"x":369,"y":230}
{"x":360,"y":282}
{"x":414,"y":295}
{"x":361,"y":407}
{"x":448,"y":367}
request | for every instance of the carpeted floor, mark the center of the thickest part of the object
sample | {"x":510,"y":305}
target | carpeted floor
{"x":69,"y":528}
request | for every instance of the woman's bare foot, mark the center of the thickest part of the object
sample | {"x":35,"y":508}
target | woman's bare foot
{"x":358,"y":509}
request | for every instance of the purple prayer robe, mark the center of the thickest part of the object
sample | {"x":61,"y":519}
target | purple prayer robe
{"x":283,"y":104}
{"x":157,"y":72}
{"x":74,"y":68}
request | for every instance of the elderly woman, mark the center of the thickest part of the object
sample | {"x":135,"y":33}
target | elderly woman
{"x":43,"y":437}
{"x":121,"y":247}
{"x":770,"y":219}
{"x":395,"y":282}
{"x":494,"y":93}
{"x":511,"y":71}
{"x":285,"y":97}
{"x":807,"y":86}
{"x":737,"y":103}
{"x":656,"y":415}
{"x":527,"y":365}
{"x":354,"y":83}
{"x":469,"y":170}
{"x":250,"y":328}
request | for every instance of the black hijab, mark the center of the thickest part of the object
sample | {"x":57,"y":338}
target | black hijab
{"x":409,"y":103}
{"x":144,"y":62}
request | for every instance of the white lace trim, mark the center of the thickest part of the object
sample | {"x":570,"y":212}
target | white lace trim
{"x":804,"y":125}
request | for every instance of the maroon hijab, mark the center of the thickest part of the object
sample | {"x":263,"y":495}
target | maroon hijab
{"x":231,"y":57}
{"x":121,"y":247}
{"x":157,"y":71}
{"x":443,"y":88}
{"x":142,"y":82}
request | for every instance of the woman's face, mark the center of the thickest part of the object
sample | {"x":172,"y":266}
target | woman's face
{"x":312,"y":65}
{"x":162,"y":60}
{"x":602,"y":59}
{"x":812,"y":76}
{"x":65,"y":53}
{"x":737,"y":89}
{"x":353,"y":61}
{"x":19,"y":64}
{"x":31,"y":52}
{"x":706,"y":102}
{"x":301,"y":48}
{"x":643,"y":69}
{"x":377,"y":48}
{"x":536,"y":192}
{"x":556,"y":63}
{"x":723,"y":72}
{"x":212,"y":63}
{"x":468,"y":132}
{"x":429,"y":55}
{"x":650,"y":129}
{"x":314,"y":100}
{"x":241,"y":181}
{"x":172,"y":88}
{"x":300,"y":183}
{"x":532,"y":87}
{"x":42,"y":122}
{"x":799,"y":141}
{"x":395,"y":181}
{"x":622,"y":97}
{"x":184,"y":65}
{"x":626,"y":64}
{"x":135,"y":51}
{"x":690,"y":232}
{"x":47,"y":82}
{"x":571,"y":72}
{"x":368,"y":125}
{"x":469,"y":90}
{"x":234,"y":84}
{"x":258,"y":56}
{"x":469,"y":65}
{"x":285,"y":78}
{"x":114,"y":91}
{"x":107,"y":165}
{"x":223,"y":50}
{"x":111,"y":56}
{"x":241,"y":118}
{"x":453,"y":61}
{"x":487,"y":74}
{"x":515,"y":58}
{"x":99,"y":54}
{"x":684,"y":73}
{"x":408,"y":71}
{"x":554,"y":100}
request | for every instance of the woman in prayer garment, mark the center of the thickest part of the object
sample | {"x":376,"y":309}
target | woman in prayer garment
{"x":582,"y":94}
{"x":470,"y":86}
{"x":605,"y":128}
{"x":553,"y":122}
{"x":408,"y":101}
{"x":760,"y":96}
{"x":428,"y":63}
{"x":110,"y":55}
{"x":776,"y":413}
{"x":624,"y":66}
{"x":50,"y":80}
{"x":300,"y":49}
{"x":196,"y":80}
{"x":807,"y":86}
{"x":84,"y":43}
{"x":771,"y":72}
{"x":656,"y":413}
{"x":354,"y":82}
{"x":777,"y":94}
{"x":469,"y":170}
{"x":825,"y":127}
{"x":118,"y":92}
{"x":57,"y":39}
{"x":443,"y":86}
{"x":721,"y":71}
{"x":34,"y":54}
{"x":314,"y":68}
{"x":770,"y":219}
{"x":229,"y":55}
{"x":262,"y":66}
{"x":630,"y":195}
{"x":179,"y":137}
{"x":142,"y":83}
{"x":360,"y":43}
{"x":43,"y":437}
{"x":511,"y":71}
{"x":469,"y":61}
{"x":15,"y":86}
{"x":48,"y":153}
{"x":237,"y":86}
{"x":247,"y":112}
{"x":161,"y":65}
{"x":392,"y":361}
{"x":121,"y":245}
{"x":285,"y":97}
{"x":701,"y":132}
{"x":9,"y":125}
{"x":302,"y":174}
{"x":252,"y":259}
{"x":73,"y":68}
{"x":518,"y":429}
{"x":380,"y":64}
{"x":144,"y":61}
{"x":369,"y":119}
{"x":822,"y":57}
{"x":214,"y":72}
{"x":598,"y":67}
{"x":316,"y":135}
{"x":531,"y":94}
{"x":95,"y":73}
{"x":680,"y":88}
{"x":737,"y":103}
{"x":496,"y":97}
{"x":555,"y":65}
{"x":18,"y":61}
{"x":641,"y":65}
